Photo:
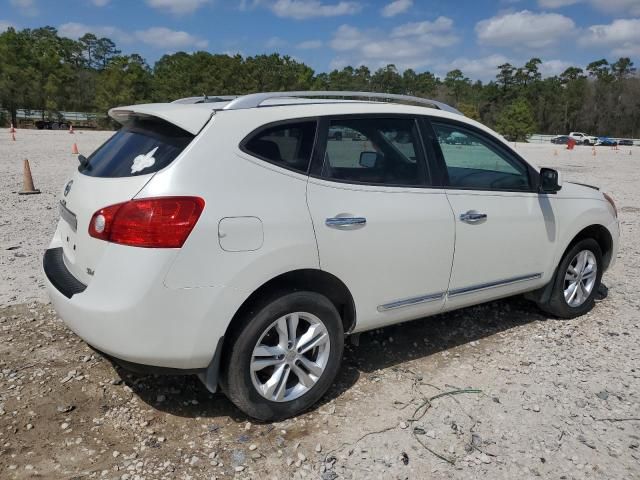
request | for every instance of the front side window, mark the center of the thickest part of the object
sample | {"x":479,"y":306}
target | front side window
{"x":381,"y":151}
{"x":288,"y":145}
{"x":474,"y":162}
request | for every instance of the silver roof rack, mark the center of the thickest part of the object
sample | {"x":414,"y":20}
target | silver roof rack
{"x":206,"y":99}
{"x":255,"y":100}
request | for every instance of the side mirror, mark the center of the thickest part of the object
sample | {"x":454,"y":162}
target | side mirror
{"x":549,"y":180}
{"x":368,"y":159}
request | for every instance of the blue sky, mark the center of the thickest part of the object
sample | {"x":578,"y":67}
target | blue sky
{"x":434,"y":35}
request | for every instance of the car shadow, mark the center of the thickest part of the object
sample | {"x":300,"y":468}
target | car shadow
{"x":383,"y":348}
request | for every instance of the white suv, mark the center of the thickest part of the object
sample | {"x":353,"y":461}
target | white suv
{"x":231,"y":238}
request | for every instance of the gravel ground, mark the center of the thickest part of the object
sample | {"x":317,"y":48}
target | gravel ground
{"x":521,"y":395}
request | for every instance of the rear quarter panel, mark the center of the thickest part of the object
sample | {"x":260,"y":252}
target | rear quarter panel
{"x":234,"y":184}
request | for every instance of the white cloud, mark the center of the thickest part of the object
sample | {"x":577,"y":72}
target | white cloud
{"x":77,"y":30}
{"x":550,"y":68}
{"x":481,"y":68}
{"x":621,"y":37}
{"x":177,"y":7}
{"x":100,"y":3}
{"x":524,"y":29}
{"x":161,"y":38}
{"x":440,"y":25}
{"x":632,"y":7}
{"x":25,"y":7}
{"x":407,"y":46}
{"x":167,"y":39}
{"x":396,"y":8}
{"x":557,"y":3}
{"x":303,"y":9}
{"x":310,"y":44}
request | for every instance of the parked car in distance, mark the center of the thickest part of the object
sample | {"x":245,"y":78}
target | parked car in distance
{"x":233,"y":240}
{"x":625,"y":143}
{"x":583,"y":138}
{"x":606,"y":142}
{"x":335,"y":134}
{"x":560,"y":140}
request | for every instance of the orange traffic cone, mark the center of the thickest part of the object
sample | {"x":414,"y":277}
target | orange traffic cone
{"x":71,"y":129}
{"x":74,"y":149}
{"x":27,"y":181}
{"x":12,"y":129}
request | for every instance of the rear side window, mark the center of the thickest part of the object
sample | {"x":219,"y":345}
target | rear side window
{"x":140,"y":147}
{"x":288,"y":145}
{"x":380,"y":151}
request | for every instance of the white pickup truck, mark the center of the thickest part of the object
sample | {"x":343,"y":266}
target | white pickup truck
{"x":583,"y":138}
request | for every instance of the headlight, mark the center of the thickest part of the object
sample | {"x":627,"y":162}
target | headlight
{"x":611,"y":202}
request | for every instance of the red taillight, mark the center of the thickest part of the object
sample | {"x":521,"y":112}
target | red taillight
{"x":163,"y":222}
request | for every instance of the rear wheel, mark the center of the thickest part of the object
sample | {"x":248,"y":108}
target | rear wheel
{"x":577,"y":281}
{"x":284,"y":357}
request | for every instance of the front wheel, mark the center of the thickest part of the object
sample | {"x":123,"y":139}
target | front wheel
{"x":577,"y":281}
{"x":284,"y":356}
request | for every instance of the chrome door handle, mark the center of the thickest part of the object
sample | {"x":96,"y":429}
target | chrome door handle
{"x":472,"y":216}
{"x":343,"y":222}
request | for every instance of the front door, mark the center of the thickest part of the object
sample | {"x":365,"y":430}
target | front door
{"x":505,"y":231}
{"x":380,"y":227}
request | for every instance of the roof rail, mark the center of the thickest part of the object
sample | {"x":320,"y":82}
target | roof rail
{"x":206,"y":99}
{"x":255,"y":100}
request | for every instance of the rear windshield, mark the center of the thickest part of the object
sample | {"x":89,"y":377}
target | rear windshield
{"x":140,"y":147}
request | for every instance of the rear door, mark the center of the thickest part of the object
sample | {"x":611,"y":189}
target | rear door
{"x":505,"y":231}
{"x":114,"y":173}
{"x":379,"y":225}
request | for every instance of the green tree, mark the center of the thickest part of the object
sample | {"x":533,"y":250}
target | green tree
{"x":456,"y":84}
{"x":516,"y":122}
{"x":126,"y":80}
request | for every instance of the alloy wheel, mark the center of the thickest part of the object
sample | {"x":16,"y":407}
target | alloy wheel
{"x":290,"y":357}
{"x":580,"y":278}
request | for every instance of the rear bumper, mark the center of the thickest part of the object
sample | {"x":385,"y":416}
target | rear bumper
{"x":127,"y":312}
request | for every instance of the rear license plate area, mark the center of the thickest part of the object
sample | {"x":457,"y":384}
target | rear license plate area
{"x":68,"y":216}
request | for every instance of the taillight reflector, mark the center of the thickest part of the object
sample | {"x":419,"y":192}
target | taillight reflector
{"x":163,"y":222}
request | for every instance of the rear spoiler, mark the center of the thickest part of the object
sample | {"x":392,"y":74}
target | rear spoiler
{"x":191,"y":118}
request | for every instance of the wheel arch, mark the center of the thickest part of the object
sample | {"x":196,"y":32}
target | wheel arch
{"x":596,"y":231}
{"x":601,"y":235}
{"x":309,"y":279}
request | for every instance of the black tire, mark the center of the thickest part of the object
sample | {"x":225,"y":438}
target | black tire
{"x":236,"y":381}
{"x":557,"y":304}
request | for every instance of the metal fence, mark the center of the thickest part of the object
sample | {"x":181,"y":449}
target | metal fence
{"x":73,"y":117}
{"x":543,"y":138}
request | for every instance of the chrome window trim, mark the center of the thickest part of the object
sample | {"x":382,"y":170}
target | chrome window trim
{"x":486,"y":286}
{"x":408,"y":302}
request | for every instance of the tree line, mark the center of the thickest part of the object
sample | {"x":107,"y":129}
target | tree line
{"x":40,"y":70}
